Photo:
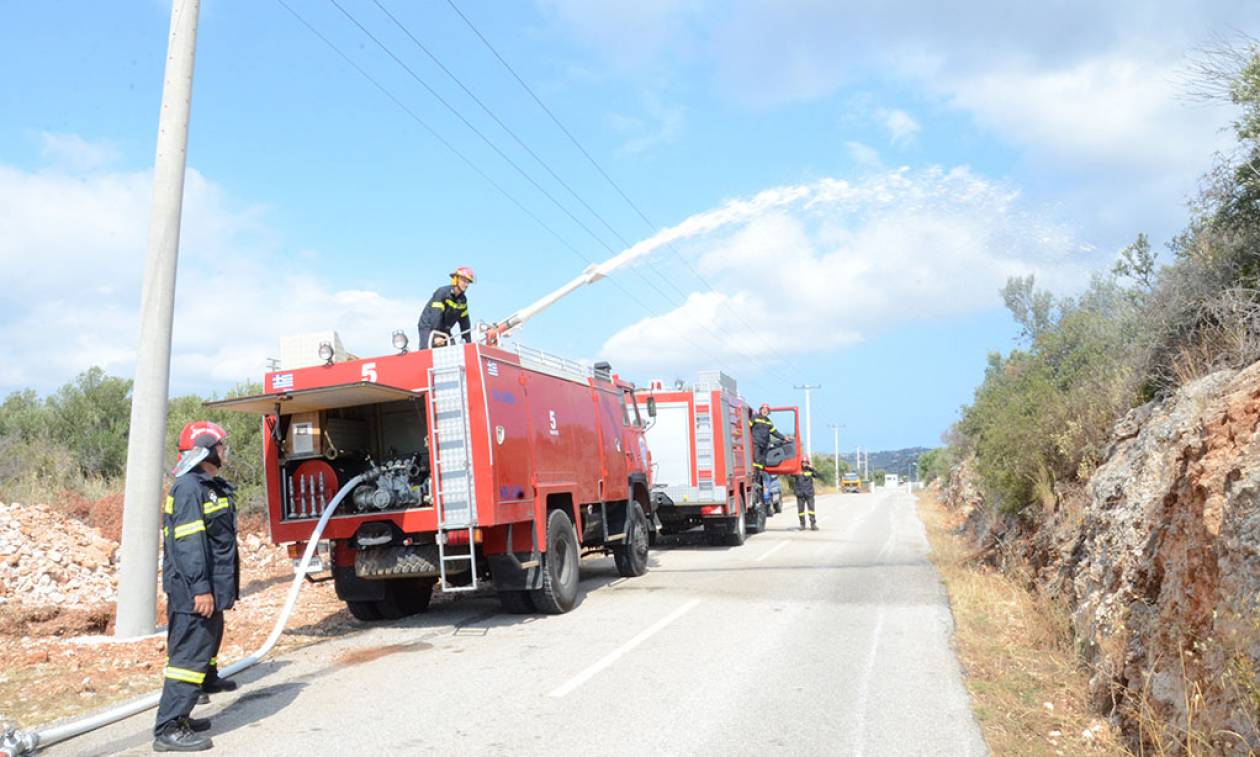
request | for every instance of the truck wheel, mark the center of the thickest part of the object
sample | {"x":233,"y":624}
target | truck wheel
{"x":758,"y":516}
{"x":405,"y":597}
{"x":560,"y":567}
{"x":739,"y":531}
{"x":365,"y":611}
{"x":516,"y":602}
{"x":631,"y":555}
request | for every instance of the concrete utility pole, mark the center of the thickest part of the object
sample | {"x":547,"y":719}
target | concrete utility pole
{"x":809,"y":428}
{"x":137,"y":569}
{"x":836,"y":430}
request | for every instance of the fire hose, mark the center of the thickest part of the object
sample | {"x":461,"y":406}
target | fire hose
{"x":14,"y":743}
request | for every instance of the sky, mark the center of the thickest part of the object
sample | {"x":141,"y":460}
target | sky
{"x":845,"y":186}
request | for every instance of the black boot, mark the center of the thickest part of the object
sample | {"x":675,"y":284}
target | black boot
{"x":178,"y":737}
{"x":802,"y":524}
{"x":813,"y":526}
{"x":218,"y":685}
{"x":198,"y":725}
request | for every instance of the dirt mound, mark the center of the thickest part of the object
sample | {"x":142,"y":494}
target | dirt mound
{"x":47,"y":558}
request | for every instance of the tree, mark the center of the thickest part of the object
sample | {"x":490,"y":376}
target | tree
{"x":90,"y":417}
{"x":1032,"y":309}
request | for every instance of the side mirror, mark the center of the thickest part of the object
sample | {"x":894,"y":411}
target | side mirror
{"x":651,"y":407}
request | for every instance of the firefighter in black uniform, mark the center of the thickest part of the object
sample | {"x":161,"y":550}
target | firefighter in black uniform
{"x":446,"y":308}
{"x":804,"y":487}
{"x":201,"y":576}
{"x":763,"y":431}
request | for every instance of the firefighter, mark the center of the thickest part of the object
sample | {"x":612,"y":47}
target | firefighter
{"x":803,"y":485}
{"x":201,"y":577}
{"x":446,"y":308}
{"x":763,"y":431}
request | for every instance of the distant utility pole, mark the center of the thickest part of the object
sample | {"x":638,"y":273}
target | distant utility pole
{"x":809,"y":429}
{"x":137,"y":569}
{"x":836,"y":430}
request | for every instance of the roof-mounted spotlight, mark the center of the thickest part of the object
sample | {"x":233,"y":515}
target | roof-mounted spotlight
{"x":326,"y":353}
{"x":400,"y":341}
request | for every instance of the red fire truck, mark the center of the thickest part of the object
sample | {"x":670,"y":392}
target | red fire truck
{"x":702,"y":459}
{"x":501,"y":464}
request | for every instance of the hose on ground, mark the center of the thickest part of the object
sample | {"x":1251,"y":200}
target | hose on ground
{"x":15,"y":743}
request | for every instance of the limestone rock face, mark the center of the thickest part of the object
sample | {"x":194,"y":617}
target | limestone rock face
{"x":1158,"y":559}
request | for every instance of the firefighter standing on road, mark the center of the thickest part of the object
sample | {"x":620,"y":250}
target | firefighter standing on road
{"x":201,"y":577}
{"x":804,"y":487}
{"x":763,"y":431}
{"x":446,"y":308}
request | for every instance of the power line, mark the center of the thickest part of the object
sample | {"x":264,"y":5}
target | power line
{"x":591,"y":159}
{"x":456,"y":112}
{"x":458,"y":153}
{"x":537,"y":158}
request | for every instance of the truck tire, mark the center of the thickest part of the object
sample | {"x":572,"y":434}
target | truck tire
{"x":405,"y":597}
{"x":758,"y":516}
{"x":517,"y":602}
{"x":631,"y":556}
{"x":365,"y":611}
{"x":560,"y":567}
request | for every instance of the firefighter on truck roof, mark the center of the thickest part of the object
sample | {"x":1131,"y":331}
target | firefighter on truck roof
{"x":447,"y":308}
{"x":763,"y":431}
{"x":803,"y":485}
{"x":201,"y":575}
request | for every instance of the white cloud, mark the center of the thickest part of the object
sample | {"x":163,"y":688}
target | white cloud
{"x":74,"y":153}
{"x":863,"y":155}
{"x":72,"y":247}
{"x":660,"y":126}
{"x":901,"y":126}
{"x":852,"y":259}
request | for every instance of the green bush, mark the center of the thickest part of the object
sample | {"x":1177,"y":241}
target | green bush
{"x":74,"y":442}
{"x":1044,"y":412}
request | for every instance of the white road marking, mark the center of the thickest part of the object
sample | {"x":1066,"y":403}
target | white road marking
{"x":864,"y":687}
{"x":617,"y":653}
{"x":770,"y":551}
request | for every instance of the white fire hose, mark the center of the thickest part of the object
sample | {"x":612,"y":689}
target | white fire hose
{"x":14,"y":742}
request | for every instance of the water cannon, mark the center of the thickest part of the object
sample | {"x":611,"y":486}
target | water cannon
{"x":493,"y":332}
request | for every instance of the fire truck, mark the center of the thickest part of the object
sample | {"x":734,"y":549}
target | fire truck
{"x":500,"y":464}
{"x":702,"y":458}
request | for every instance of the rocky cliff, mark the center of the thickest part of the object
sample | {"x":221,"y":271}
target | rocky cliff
{"x":1158,"y":560}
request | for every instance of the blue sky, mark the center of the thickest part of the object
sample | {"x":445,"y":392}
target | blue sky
{"x":939,"y":153}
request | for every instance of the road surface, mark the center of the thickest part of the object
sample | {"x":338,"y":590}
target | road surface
{"x":835,"y":642}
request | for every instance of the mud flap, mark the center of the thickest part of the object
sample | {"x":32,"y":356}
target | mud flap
{"x":512,"y":573}
{"x":351,"y":588}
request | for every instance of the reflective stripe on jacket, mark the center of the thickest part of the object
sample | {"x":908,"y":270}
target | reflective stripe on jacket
{"x":199,"y":554}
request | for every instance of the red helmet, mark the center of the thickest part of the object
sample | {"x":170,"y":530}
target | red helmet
{"x":203,"y":434}
{"x":765,"y":408}
{"x":464,"y":272}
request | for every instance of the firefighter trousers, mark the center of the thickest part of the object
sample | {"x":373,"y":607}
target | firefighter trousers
{"x":805,"y":506}
{"x":191,"y":642}
{"x":759,"y":455}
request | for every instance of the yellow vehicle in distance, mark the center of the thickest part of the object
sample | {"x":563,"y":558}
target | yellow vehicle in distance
{"x":850,"y":483}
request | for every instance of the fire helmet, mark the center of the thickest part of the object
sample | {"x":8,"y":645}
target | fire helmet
{"x":464,"y":272}
{"x":765,"y":408}
{"x":197,"y":444}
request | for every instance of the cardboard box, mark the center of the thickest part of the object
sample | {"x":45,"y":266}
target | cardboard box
{"x":305,"y":437}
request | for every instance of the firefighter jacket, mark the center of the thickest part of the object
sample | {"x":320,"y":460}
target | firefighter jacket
{"x":763,"y":430}
{"x":445,"y":309}
{"x":804,"y":483}
{"x":199,"y":553}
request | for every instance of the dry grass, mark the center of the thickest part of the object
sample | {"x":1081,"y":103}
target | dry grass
{"x":1028,"y":688}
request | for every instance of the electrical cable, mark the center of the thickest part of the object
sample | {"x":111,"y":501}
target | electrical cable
{"x":516,"y":166}
{"x":477,"y":169}
{"x":599,"y":168}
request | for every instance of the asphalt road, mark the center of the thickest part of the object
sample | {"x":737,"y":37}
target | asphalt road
{"x":833,"y":642}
